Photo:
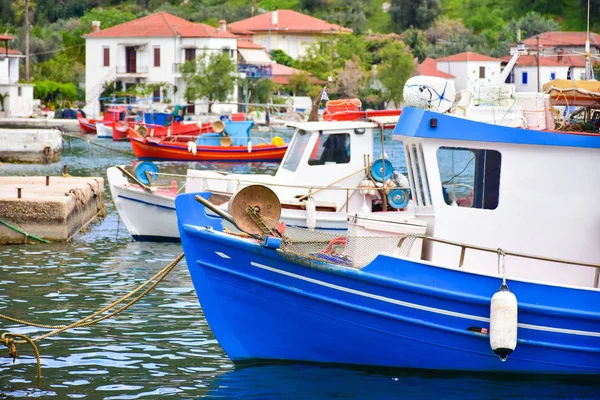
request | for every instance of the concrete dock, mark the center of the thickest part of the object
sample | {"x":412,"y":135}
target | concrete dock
{"x":63,"y":125}
{"x":52,"y":212}
{"x":30,"y":145}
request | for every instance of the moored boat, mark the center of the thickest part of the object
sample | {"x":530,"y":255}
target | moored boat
{"x":436,"y":309}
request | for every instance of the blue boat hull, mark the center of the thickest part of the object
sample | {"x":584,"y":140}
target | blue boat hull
{"x":264,"y":304}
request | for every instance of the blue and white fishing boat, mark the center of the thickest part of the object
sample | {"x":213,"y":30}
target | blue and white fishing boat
{"x":505,"y":208}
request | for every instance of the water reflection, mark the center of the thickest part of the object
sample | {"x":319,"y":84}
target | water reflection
{"x":298,"y":381}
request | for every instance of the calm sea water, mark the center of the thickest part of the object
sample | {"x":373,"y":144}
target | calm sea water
{"x":163,"y":346}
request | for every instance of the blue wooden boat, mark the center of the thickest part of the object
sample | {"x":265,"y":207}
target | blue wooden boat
{"x":526,"y":204}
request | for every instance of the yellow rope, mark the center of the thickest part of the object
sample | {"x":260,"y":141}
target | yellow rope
{"x":9,"y":341}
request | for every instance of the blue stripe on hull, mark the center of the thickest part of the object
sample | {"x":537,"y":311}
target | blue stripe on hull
{"x":262,"y":305}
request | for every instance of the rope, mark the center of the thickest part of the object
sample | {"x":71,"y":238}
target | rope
{"x":129,"y":153}
{"x":8,"y":338}
{"x":23,"y":232}
{"x":502,"y":254}
{"x":9,"y":341}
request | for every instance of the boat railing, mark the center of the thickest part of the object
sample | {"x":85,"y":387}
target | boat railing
{"x":501,"y":253}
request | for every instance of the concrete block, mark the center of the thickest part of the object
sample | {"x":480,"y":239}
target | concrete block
{"x":30,"y":145}
{"x":52,"y":212}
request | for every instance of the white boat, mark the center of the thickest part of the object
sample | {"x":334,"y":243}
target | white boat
{"x":104,"y":130}
{"x":323,"y":176}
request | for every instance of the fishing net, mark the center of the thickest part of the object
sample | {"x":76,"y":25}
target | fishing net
{"x":309,"y":246}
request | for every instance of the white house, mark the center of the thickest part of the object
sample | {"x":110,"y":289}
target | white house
{"x":470,"y":69}
{"x":525,"y":72}
{"x":18,"y":97}
{"x":150,"y":50}
{"x":286,"y":30}
{"x":564,"y":47}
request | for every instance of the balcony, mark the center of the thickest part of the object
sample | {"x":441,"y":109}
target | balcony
{"x":140,"y":71}
{"x":255,"y":71}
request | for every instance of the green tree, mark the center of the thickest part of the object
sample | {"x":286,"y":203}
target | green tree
{"x":414,"y":13}
{"x":7,"y":13}
{"x":317,"y":60}
{"x":417,"y":41}
{"x":281,"y":57}
{"x":209,"y":77}
{"x":396,"y":67}
{"x":261,"y":90}
{"x":348,"y":46}
{"x":300,"y":84}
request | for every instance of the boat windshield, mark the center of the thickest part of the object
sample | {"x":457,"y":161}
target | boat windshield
{"x":296,"y":150}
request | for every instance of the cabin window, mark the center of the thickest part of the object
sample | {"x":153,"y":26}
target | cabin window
{"x":157,"y":56}
{"x":156,"y":94}
{"x":19,"y":91}
{"x":524,"y":78}
{"x":106,"y":56}
{"x":470,"y":177}
{"x":482,"y":72}
{"x":296,"y":150}
{"x":552,"y":76}
{"x":331,"y":149}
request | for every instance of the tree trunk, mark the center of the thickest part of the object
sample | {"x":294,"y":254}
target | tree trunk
{"x":314,"y":112}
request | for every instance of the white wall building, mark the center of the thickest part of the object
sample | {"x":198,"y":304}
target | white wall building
{"x":470,"y":69}
{"x":525,"y":72}
{"x":286,"y":30}
{"x":150,"y":50}
{"x":18,"y":97}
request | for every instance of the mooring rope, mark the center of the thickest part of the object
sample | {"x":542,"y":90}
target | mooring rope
{"x":8,"y":339}
{"x":129,"y":153}
{"x":27,"y":235}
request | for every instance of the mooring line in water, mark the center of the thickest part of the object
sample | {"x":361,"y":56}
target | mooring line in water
{"x":129,"y":153}
{"x":8,"y":339}
{"x":27,"y":235}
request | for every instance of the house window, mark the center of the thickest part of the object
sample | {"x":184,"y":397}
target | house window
{"x":106,"y":53}
{"x":190,"y":54}
{"x":470,"y":177}
{"x":157,"y":56}
{"x":524,"y":78}
{"x":331,"y":149}
{"x":552,"y":76}
{"x":482,"y":72}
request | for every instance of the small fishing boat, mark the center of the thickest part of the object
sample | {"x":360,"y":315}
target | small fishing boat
{"x":234,"y":147}
{"x":326,"y":173}
{"x":86,"y":125}
{"x":504,"y":281}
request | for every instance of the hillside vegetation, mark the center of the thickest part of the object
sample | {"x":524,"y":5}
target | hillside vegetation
{"x":423,"y":27}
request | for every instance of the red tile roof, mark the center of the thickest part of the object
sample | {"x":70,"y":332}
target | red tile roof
{"x":10,"y":51}
{"x":247,"y":44}
{"x":468,"y":56}
{"x":6,"y":37}
{"x":429,"y":68}
{"x":552,"y":39}
{"x":550,"y":61}
{"x":160,"y":24}
{"x":282,"y":75}
{"x":287,"y":20}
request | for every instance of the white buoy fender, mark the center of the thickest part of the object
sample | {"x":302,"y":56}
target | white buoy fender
{"x":311,"y":214}
{"x":503,"y":322}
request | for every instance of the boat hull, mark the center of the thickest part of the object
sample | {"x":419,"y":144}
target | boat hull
{"x":104,"y":130}
{"x":262,"y":304}
{"x":87,"y":126}
{"x":148,"y":149}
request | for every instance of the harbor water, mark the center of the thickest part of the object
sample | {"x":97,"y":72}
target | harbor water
{"x":163,"y":346}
